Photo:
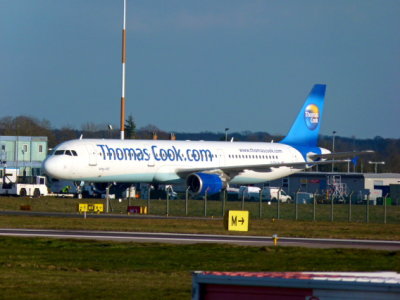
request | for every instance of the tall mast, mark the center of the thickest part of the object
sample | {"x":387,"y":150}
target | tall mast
{"x":123,"y":74}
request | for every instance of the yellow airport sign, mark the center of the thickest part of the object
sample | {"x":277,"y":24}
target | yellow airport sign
{"x":98,"y":208}
{"x":85,"y":207}
{"x":237,"y":220}
{"x":82,"y":207}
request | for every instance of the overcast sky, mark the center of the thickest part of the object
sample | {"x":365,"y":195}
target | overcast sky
{"x":203,"y":65}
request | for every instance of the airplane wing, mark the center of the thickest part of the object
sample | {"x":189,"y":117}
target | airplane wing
{"x":183,"y":172}
{"x":260,"y":168}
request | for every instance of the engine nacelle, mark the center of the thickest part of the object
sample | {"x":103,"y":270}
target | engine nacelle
{"x":200,"y":183}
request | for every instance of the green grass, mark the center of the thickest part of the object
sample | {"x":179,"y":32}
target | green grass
{"x":211,"y":226}
{"x":63,"y":269}
{"x":216,"y":209}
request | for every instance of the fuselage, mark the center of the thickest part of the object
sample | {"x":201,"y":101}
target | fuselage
{"x":164,"y":161}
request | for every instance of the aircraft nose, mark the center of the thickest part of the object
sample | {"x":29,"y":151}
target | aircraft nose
{"x":53,"y":167}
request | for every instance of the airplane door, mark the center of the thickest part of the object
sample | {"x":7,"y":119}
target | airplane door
{"x":92,"y":155}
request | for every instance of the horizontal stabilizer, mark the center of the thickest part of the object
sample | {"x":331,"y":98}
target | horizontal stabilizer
{"x":334,"y":155}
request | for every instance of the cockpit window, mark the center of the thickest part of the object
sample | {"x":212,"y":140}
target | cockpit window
{"x":59,"y":152}
{"x":66,"y":152}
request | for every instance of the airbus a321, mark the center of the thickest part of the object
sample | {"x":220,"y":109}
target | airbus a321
{"x":206,"y":167}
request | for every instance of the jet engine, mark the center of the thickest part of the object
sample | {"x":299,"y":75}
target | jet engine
{"x":202,"y":183}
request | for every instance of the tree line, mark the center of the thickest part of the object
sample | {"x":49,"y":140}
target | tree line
{"x":387,"y":150}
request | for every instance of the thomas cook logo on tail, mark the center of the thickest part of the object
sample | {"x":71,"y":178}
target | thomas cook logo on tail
{"x":311,"y":116}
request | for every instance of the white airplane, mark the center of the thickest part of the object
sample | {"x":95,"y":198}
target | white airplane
{"x":206,"y":167}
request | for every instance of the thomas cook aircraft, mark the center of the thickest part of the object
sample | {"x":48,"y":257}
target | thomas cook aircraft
{"x":206,"y":167}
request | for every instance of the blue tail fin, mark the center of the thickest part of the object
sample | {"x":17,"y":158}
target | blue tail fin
{"x":305,"y":129}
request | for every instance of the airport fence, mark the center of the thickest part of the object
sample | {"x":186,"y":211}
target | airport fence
{"x":331,"y":210}
{"x":327,"y":210}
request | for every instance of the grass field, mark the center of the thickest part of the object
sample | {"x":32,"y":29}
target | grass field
{"x":35,"y":268}
{"x":63,"y":269}
{"x":212,"y":226}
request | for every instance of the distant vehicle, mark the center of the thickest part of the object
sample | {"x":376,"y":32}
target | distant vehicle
{"x":33,"y":186}
{"x":304,"y":198}
{"x":232,"y":193}
{"x":374,"y":195}
{"x":252,"y":193}
{"x":275,"y":193}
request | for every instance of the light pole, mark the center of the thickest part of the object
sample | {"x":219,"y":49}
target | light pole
{"x":333,"y":148}
{"x":226,"y":134}
{"x":376,"y":163}
{"x":110,"y":128}
{"x":23,"y":162}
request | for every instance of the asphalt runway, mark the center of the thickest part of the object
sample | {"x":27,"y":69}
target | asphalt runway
{"x":175,"y":238}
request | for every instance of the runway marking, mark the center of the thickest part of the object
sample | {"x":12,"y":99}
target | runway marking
{"x":200,"y":238}
{"x":133,"y":238}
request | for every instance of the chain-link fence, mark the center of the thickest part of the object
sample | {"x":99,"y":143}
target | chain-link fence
{"x":316,"y":209}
